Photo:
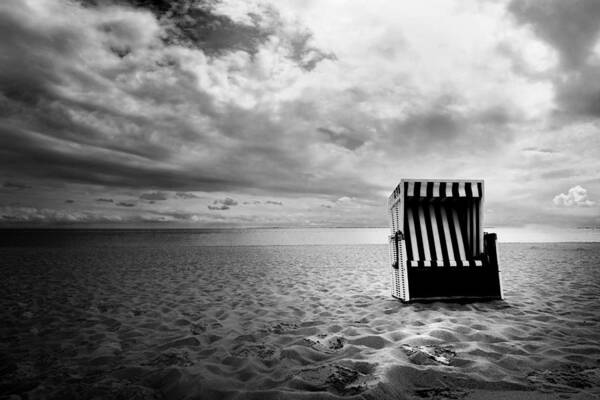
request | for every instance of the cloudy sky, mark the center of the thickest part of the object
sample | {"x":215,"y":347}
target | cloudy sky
{"x":295,"y":113}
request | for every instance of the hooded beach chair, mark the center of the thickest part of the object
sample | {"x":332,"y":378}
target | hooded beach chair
{"x":437,"y":248}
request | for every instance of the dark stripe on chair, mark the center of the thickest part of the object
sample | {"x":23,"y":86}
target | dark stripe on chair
{"x":468,"y":190}
{"x":430,"y":190}
{"x":464,"y":230}
{"x":440,"y":227}
{"x":455,"y":189}
{"x":418,"y":232}
{"x":474,"y":228}
{"x":442,"y":189}
{"x":453,"y":234}
{"x":477,"y":233}
{"x":430,"y":231}
{"x":471,"y":222}
{"x":417,"y":189}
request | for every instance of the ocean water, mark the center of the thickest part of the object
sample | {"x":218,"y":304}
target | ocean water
{"x":194,"y":237}
{"x":213,"y":312}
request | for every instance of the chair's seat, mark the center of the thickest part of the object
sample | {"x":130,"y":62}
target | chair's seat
{"x":446,"y":263}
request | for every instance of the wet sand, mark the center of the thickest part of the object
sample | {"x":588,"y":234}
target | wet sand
{"x":278,"y":322}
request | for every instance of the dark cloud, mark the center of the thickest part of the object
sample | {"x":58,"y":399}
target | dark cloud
{"x":15,"y":185}
{"x":572,"y":28}
{"x":443,"y":127}
{"x":197,"y":24}
{"x":11,"y":216}
{"x":539,"y":150}
{"x":186,"y":195}
{"x":19,"y":216}
{"x":226,"y":202}
{"x":154,"y":196}
{"x":125,"y":204}
{"x":559,"y":173}
{"x":579,"y":93}
{"x":275,"y":203}
{"x":51,"y":131}
{"x":102,"y":200}
{"x":69,"y":201}
{"x":437,"y":124}
{"x":218,"y":207}
{"x":304,"y":54}
{"x":342,"y":138}
{"x":223,"y":204}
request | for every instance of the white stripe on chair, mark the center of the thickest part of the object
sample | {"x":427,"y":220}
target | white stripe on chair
{"x":448,"y":189}
{"x":413,"y":233}
{"x":475,"y":189}
{"x":424,"y":236}
{"x":436,"y":234}
{"x":461,"y":190}
{"x":436,"y":189}
{"x":423,"y":189}
{"x":410,"y":192}
{"x":447,"y":233}
{"x":459,"y":238}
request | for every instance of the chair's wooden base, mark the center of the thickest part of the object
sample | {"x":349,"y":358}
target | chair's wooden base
{"x":459,"y":299}
{"x":453,"y":283}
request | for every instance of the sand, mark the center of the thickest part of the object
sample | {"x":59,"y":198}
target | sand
{"x":298,"y":322}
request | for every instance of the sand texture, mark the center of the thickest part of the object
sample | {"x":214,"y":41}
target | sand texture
{"x":298,"y":322}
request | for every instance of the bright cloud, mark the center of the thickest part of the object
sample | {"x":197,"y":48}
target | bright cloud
{"x":575,"y":197}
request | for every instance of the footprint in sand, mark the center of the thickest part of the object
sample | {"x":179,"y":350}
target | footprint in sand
{"x":339,"y":379}
{"x":441,"y":393}
{"x":429,"y":355}
{"x":566,"y":379}
{"x":326,"y":344}
{"x":282,"y":327}
{"x":257,"y":350}
{"x":171,"y":357}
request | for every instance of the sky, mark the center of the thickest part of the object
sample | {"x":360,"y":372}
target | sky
{"x":195,"y":114}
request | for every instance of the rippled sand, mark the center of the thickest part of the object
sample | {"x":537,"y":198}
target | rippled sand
{"x":290,"y":322}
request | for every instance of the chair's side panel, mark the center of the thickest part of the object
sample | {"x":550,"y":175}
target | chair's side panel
{"x":395,"y":209}
{"x":500,"y":276}
{"x":491,"y":255}
{"x":398,"y":271}
{"x":394,"y":275}
{"x":480,"y":224}
{"x":402,"y":267}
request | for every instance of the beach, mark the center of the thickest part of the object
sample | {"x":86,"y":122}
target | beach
{"x":151,"y":315}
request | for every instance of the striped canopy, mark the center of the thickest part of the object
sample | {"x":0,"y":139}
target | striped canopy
{"x":440,"y":220}
{"x":414,"y":188}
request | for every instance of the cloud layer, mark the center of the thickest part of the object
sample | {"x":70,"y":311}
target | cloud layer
{"x":159,"y":111}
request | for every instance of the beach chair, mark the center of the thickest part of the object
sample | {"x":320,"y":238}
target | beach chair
{"x":438,"y":250}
